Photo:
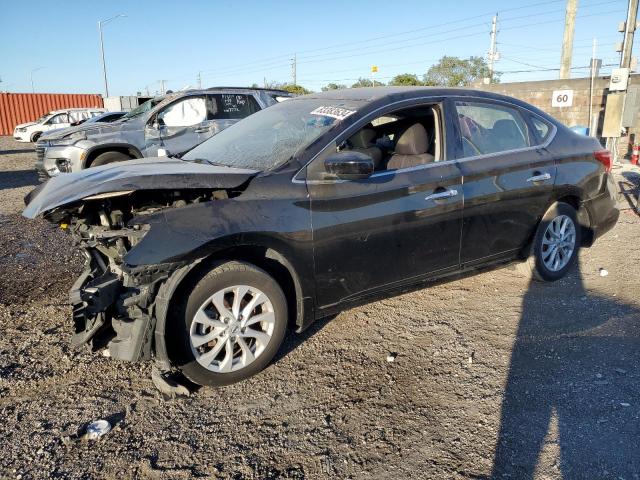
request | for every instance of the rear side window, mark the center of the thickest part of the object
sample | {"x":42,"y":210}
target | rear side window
{"x":490,"y":128}
{"x":540,"y":128}
{"x":224,"y":106}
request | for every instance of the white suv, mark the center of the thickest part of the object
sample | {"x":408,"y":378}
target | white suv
{"x":30,"y":132}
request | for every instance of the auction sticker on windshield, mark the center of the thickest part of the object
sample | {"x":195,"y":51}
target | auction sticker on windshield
{"x":333,"y":112}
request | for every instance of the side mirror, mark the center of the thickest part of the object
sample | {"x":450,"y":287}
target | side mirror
{"x":349,"y":165}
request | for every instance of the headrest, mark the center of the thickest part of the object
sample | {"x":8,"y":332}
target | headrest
{"x":506,"y":128}
{"x":363,"y":138}
{"x":413,"y":141}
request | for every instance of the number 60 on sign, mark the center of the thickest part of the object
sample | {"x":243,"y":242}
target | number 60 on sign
{"x":562,"y":98}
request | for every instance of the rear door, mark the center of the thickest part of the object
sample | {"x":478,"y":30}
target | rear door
{"x":225,"y":109}
{"x":393,"y":228}
{"x":508,"y":178}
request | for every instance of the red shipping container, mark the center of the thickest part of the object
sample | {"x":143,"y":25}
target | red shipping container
{"x":16,"y":108}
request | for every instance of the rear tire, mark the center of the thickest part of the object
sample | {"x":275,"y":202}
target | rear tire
{"x":215,"y":341}
{"x":109,"y":157}
{"x":558,"y":231}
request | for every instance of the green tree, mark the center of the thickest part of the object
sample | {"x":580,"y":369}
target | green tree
{"x":458,"y":72}
{"x":333,"y":86}
{"x":295,"y":89}
{"x":365,"y":82}
{"x":406,"y":79}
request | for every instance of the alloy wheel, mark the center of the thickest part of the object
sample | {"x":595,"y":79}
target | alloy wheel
{"x":232,"y":328}
{"x":558,"y":243}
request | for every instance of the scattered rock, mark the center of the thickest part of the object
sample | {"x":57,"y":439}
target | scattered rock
{"x":603,"y":272}
{"x":392,"y":357}
{"x":621,"y":371}
{"x":625,"y":404}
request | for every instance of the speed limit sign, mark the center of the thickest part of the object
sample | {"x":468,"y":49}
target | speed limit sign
{"x":562,"y":98}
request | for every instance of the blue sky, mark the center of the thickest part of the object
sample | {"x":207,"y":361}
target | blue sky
{"x":242,"y":42}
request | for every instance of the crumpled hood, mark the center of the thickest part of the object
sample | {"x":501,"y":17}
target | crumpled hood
{"x":89,"y":129}
{"x":133,"y":175}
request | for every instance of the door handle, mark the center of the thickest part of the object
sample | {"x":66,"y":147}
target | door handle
{"x":539,"y":178}
{"x":201,"y":130}
{"x":441,"y":195}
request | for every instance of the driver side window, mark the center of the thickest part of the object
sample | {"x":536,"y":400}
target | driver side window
{"x":184,"y":113}
{"x":401,"y":139}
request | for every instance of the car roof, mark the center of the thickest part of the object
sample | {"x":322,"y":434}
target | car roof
{"x":62,"y":110}
{"x":392,"y":94}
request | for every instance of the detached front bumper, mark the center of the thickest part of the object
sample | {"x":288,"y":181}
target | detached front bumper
{"x":116,"y":310}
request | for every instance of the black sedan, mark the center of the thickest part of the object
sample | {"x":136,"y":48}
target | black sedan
{"x":312,"y":206}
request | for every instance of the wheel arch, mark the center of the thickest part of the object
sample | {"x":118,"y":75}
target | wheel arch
{"x":267,"y":258}
{"x":124,"y":148}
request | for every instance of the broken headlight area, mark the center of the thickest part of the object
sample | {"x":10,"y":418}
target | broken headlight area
{"x":113,"y":302}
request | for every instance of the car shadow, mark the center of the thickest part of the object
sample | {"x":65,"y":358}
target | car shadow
{"x":572,"y":385}
{"x":16,"y":151}
{"x":294,"y":340}
{"x":18,"y":178}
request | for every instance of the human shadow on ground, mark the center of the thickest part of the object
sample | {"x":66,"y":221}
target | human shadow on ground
{"x":18,"y":178}
{"x":574,"y":364}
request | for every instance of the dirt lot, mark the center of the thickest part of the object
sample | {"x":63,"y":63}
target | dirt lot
{"x":494,"y":377}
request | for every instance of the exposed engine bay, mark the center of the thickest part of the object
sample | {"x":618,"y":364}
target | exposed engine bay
{"x":113,"y":303}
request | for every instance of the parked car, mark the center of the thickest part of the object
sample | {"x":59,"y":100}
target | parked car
{"x":315,"y":205}
{"x":106,"y":117}
{"x":31,"y":131}
{"x":174,"y":123}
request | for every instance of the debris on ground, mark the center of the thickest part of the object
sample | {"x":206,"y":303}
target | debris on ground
{"x":96,"y":430}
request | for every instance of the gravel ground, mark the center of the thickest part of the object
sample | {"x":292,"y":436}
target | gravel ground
{"x":495,"y":377}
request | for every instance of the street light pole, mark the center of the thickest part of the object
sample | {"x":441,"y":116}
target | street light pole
{"x":104,"y":64}
{"x":33,"y":90}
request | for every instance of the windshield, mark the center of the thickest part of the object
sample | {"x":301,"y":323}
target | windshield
{"x":272,"y":136}
{"x":43,"y":118}
{"x":145,"y":107}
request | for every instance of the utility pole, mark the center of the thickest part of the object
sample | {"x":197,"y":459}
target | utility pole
{"x":629,"y":29}
{"x":567,"y":39}
{"x":493,"y":53}
{"x":104,"y":65}
{"x":293,"y":69}
{"x":592,"y":124}
{"x":199,"y":80}
{"x":33,"y":90}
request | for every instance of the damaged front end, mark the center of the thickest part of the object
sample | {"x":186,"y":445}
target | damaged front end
{"x":109,"y":210}
{"x":113,"y":303}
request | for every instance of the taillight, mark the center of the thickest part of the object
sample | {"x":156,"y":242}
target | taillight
{"x":605,"y":158}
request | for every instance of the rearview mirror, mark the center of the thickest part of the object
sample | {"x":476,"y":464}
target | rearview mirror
{"x":349,"y":165}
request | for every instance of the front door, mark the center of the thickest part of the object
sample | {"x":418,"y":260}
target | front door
{"x":180,"y":124}
{"x":508,"y":180}
{"x":400,"y":225}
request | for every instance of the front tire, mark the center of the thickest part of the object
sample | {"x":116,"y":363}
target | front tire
{"x":35,"y":137}
{"x":556,"y":244}
{"x":109,"y":157}
{"x":229,"y":326}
